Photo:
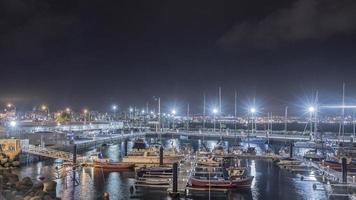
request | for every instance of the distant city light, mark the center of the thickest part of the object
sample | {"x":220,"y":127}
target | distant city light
{"x":174,"y":112}
{"x":43,"y":107}
{"x":85,"y":111}
{"x":143,"y":111}
{"x":131,"y":109}
{"x":152,"y":113}
{"x":67,"y":109}
{"x":13,"y":123}
{"x":9,"y":105}
{"x":215,"y":110}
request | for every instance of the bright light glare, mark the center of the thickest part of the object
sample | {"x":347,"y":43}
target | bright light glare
{"x":174,"y":112}
{"x":68,"y":109}
{"x":311,"y":109}
{"x":114,"y":107}
{"x":85,"y":111}
{"x":43,"y":107}
{"x":13,"y":123}
{"x":131,"y":110}
{"x":215,"y":110}
{"x":143,"y":111}
{"x":253,"y":110}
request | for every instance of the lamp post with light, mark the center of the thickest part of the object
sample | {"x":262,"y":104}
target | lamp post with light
{"x":252,"y":112}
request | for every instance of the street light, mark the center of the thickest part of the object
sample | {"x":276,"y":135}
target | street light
{"x":311,"y":109}
{"x":13,"y":123}
{"x":68,"y":110}
{"x":253,"y":110}
{"x":174,"y":112}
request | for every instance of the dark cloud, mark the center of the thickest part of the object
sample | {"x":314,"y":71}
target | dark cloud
{"x":304,"y":20}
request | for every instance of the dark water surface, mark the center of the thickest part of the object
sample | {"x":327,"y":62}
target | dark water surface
{"x":270,"y":182}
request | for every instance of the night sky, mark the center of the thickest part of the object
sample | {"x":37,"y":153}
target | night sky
{"x":94,"y":53}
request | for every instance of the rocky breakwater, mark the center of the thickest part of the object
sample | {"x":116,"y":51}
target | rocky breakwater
{"x":6,"y":162}
{"x":12,"y":188}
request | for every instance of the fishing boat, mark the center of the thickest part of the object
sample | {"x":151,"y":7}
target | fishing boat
{"x":208,"y":161}
{"x":237,"y":150}
{"x":250,"y":151}
{"x":113,"y":166}
{"x":284,"y":152}
{"x":213,"y":182}
{"x":154,"y":171}
{"x":313,"y":155}
{"x":337,"y":166}
{"x":150,"y":155}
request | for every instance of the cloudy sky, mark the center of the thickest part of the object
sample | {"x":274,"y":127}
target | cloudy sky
{"x":94,"y":53}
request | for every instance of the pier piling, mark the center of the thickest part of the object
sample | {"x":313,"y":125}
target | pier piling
{"x":125,"y":147}
{"x":175,"y":177}
{"x":161,"y":156}
{"x":344,"y":170}
{"x":291,"y":150}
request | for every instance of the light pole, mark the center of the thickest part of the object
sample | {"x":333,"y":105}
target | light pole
{"x":174,"y":112}
{"x":114,"y":108}
{"x":130,"y":110}
{"x":85,"y":111}
{"x":215,"y":111}
{"x":252,"y":112}
{"x":45,"y":108}
{"x":311,"y":110}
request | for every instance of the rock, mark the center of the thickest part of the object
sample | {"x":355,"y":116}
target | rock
{"x":27,"y":181}
{"x":27,"y":198}
{"x":4,"y":160}
{"x":36,"y":198}
{"x":7,"y":165}
{"x":11,"y":178}
{"x":16,"y":163}
{"x":18,"y":197}
{"x":38,"y":186}
{"x":47,"y":197}
{"x":50,"y":187}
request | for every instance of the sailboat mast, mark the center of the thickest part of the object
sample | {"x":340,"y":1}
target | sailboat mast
{"x":204,"y":111}
{"x":343,"y":112}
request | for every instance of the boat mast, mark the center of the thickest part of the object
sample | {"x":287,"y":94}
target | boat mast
{"x":204,"y":111}
{"x":316,"y":113}
{"x":285,"y":119}
{"x":220,"y":111}
{"x":235,"y":121}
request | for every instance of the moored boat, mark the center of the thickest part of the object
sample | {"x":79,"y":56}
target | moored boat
{"x":109,"y":165}
{"x":238,"y":183}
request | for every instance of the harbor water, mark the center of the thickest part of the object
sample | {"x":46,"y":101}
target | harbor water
{"x":270,"y":181}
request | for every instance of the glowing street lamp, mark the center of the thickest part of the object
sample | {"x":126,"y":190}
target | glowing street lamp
{"x":253,"y":110}
{"x":9,"y":105}
{"x":311,"y":109}
{"x":68,"y":110}
{"x":13,"y":124}
{"x":174,"y":112}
